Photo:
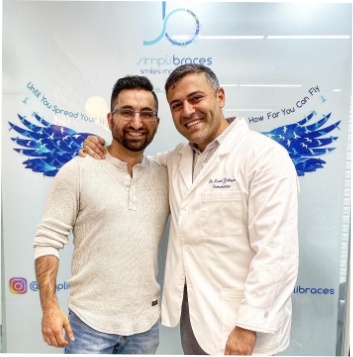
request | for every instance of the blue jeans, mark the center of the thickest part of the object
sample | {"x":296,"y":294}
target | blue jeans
{"x":88,"y":340}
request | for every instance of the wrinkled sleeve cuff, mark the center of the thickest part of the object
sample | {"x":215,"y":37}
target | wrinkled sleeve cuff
{"x":42,"y":251}
{"x":259,"y":320}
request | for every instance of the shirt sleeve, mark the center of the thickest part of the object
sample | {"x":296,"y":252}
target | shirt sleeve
{"x":60,"y":212}
{"x":163,"y":158}
{"x":273,"y":236}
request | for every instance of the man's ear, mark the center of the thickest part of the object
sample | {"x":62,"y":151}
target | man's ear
{"x":110,"y":118}
{"x":221,"y":95}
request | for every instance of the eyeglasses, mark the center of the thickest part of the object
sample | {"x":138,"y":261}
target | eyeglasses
{"x":129,"y":114}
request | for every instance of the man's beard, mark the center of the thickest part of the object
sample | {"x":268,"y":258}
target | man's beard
{"x":134,"y":145}
{"x":137,"y":144}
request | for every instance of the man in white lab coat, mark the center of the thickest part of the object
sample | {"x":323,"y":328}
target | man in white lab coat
{"x":232,"y":257}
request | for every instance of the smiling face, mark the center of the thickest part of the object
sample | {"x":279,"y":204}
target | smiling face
{"x":133,"y":134}
{"x":197,"y":109}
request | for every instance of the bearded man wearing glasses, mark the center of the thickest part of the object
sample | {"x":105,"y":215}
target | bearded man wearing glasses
{"x":117,"y":210}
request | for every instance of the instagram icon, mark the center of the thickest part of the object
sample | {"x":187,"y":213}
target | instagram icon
{"x":18,"y":285}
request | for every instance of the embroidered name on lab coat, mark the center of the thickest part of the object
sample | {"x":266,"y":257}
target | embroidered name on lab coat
{"x":222,"y":183}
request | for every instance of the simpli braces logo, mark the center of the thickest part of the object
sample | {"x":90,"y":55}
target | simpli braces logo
{"x":313,"y":291}
{"x":164,"y":33}
{"x":156,"y":65}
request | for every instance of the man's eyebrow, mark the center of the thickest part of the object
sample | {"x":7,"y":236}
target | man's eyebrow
{"x":188,"y":96}
{"x":174,"y":101}
{"x":194,"y":93}
{"x":128,"y":106}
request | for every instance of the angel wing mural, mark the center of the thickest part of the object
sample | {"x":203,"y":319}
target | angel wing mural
{"x":48,"y":146}
{"x":306,"y":143}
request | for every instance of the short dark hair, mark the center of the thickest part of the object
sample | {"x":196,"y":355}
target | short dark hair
{"x":184,"y":69}
{"x":132,"y":82}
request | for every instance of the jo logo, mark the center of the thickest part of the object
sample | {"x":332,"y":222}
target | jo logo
{"x":163,"y":33}
{"x":18,"y":285}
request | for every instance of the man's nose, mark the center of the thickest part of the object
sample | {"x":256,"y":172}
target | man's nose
{"x":188,"y":109}
{"x":136,"y":121}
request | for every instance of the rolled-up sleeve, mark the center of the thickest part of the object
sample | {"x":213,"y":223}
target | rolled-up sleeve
{"x":60,"y":213}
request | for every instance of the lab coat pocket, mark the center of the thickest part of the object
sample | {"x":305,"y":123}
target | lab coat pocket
{"x":231,"y":299}
{"x":221,"y":214}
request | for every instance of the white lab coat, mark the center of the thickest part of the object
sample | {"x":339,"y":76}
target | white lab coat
{"x":233,"y":239}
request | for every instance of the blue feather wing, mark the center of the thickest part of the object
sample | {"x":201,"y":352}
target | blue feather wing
{"x":306,"y":142}
{"x":48,"y":146}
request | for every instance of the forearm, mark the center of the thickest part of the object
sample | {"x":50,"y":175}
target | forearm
{"x":46,"y":272}
{"x":54,"y":321}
